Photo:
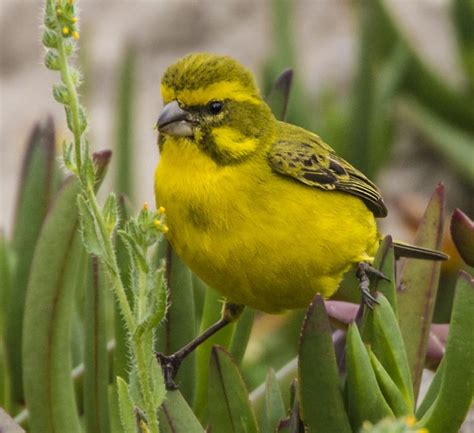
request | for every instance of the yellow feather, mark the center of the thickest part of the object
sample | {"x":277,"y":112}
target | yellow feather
{"x":217,"y":91}
{"x":232,"y":142}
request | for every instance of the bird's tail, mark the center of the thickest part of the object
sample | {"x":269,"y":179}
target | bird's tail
{"x":402,"y":249}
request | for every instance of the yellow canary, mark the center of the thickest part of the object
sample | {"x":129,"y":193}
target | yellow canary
{"x":263,"y":211}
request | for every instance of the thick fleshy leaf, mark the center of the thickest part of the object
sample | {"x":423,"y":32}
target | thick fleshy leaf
{"x":47,"y":363}
{"x":176,"y":416}
{"x":418,"y":288}
{"x":279,"y":94}
{"x":241,"y":335}
{"x":274,"y":409}
{"x":385,"y":262}
{"x":57,"y":268}
{"x":387,"y":344}
{"x":454,"y":397}
{"x":365,"y":400}
{"x":389,"y":388}
{"x":229,"y":406}
{"x":96,"y":358}
{"x":322,"y":406}
{"x":462,"y":232}
{"x":34,"y":196}
{"x":176,"y":332}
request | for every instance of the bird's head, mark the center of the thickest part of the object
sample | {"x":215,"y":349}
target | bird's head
{"x":213,"y":102}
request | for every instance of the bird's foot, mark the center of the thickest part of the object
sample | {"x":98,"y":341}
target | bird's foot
{"x":170,"y":366}
{"x":364,"y":269}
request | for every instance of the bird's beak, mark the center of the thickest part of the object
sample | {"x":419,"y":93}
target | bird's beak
{"x":173,"y":120}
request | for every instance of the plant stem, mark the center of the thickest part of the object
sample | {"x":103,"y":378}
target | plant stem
{"x":73,"y":104}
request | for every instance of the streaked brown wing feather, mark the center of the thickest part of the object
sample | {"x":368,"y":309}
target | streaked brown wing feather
{"x":304,"y":156}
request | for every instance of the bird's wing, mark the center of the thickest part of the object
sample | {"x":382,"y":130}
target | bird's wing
{"x":304,"y":156}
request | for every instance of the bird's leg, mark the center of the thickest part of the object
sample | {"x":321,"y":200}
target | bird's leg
{"x":362,"y":273}
{"x":171,"y":363}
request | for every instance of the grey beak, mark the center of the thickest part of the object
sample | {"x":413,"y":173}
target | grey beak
{"x":173,"y":120}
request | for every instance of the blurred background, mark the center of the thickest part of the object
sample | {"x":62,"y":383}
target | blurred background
{"x":389,"y":85}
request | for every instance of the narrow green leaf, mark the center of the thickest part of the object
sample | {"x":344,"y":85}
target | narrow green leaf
{"x":96,"y":360}
{"x":318,"y":374}
{"x":274,"y":409}
{"x":365,"y":400}
{"x":211,"y":313}
{"x":420,"y":80}
{"x":110,"y":212}
{"x":125,"y":122}
{"x":241,"y":335}
{"x":91,"y":237}
{"x":463,"y":16}
{"x":33,"y":199}
{"x":452,"y":144}
{"x":56,"y":271}
{"x":121,"y":353}
{"x":279,"y":94}
{"x":127,"y":412}
{"x":432,"y":392}
{"x":418,"y":287}
{"x":387,"y":344}
{"x":47,"y":365}
{"x":176,"y":416}
{"x":176,"y":332}
{"x":385,"y":262}
{"x":454,"y":398}
{"x":389,"y":388}
{"x":462,"y":232}
{"x":230,"y":409}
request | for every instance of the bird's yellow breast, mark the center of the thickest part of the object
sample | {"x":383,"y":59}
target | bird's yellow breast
{"x":259,"y":238}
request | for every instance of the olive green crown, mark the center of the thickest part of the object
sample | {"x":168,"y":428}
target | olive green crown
{"x":199,"y":70}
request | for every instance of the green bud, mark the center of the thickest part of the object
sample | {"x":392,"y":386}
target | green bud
{"x":50,"y":15}
{"x":50,"y":39}
{"x":69,"y":47}
{"x":51,"y":61}
{"x":75,"y":76}
{"x":61,"y":94}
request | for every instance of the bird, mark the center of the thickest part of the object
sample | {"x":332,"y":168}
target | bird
{"x":263,"y":211}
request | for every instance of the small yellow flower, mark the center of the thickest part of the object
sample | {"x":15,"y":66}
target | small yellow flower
{"x":157,"y":224}
{"x":74,"y":20}
{"x":145,"y":205}
{"x":422,"y":430}
{"x":165,"y":229}
{"x":161,"y":210}
{"x":59,"y":11}
{"x":75,"y":35}
{"x":410,"y":420}
{"x":71,"y":2}
{"x":65,"y":31}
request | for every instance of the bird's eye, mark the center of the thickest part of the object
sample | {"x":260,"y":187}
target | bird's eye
{"x":215,"y":107}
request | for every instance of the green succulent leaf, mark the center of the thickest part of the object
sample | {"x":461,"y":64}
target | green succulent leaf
{"x":385,"y":262}
{"x":318,"y":374}
{"x":449,"y":409}
{"x":37,"y":185}
{"x":365,"y":400}
{"x":387,"y":344}
{"x":274,"y":409}
{"x":389,"y":388}
{"x":176,"y":416}
{"x":418,"y":287}
{"x":229,"y":408}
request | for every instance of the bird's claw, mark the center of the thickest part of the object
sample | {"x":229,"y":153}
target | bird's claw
{"x":363,"y":270}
